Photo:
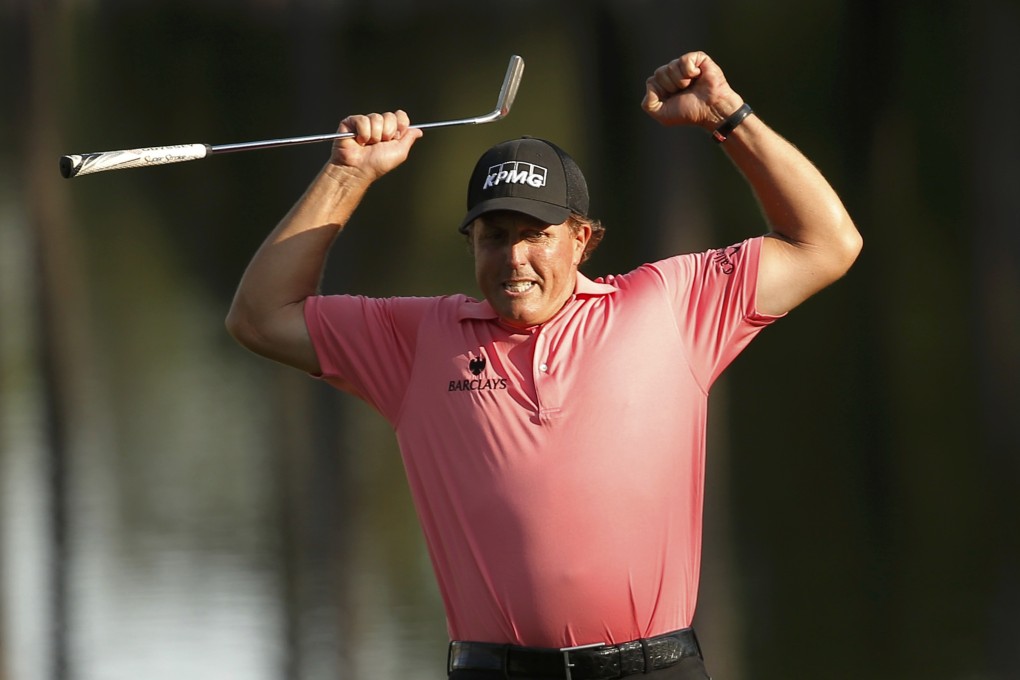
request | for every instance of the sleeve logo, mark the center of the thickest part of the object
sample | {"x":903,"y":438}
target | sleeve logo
{"x":724,"y":259}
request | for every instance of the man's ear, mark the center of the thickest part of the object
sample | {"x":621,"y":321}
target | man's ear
{"x":582,"y":234}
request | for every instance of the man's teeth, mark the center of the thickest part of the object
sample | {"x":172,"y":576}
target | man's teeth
{"x":518,"y":286}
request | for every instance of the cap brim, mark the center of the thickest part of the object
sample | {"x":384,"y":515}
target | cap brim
{"x":540,"y":210}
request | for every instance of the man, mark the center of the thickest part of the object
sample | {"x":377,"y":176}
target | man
{"x":553,"y":433}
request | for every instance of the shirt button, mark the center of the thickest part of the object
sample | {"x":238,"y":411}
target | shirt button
{"x":544,"y":368}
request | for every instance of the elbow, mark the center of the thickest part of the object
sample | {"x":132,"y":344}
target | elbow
{"x":233,"y":324}
{"x":851,"y":245}
{"x":842,"y":245}
{"x":836,"y":251}
{"x":241,"y":327}
{"x":249,"y":334}
{"x":840,"y":253}
{"x":274,"y":333}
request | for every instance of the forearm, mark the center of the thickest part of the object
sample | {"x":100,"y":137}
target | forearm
{"x":267,"y":315}
{"x":799,"y":204}
{"x":288,"y":266}
{"x":815,"y":241}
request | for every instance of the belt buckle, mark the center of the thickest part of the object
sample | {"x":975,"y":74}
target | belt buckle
{"x":566,"y":654}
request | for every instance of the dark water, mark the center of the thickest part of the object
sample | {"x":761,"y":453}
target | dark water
{"x":164,"y":555}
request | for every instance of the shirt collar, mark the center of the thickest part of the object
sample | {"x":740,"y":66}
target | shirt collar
{"x":482,"y":310}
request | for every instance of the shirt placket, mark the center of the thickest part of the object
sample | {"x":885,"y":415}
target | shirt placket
{"x":545,"y":375}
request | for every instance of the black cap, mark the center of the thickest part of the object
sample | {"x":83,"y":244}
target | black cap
{"x":530,"y":176}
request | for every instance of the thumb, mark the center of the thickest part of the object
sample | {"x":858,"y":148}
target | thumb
{"x":652,"y":101}
{"x":409,"y":136}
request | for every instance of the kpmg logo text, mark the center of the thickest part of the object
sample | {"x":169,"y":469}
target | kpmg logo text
{"x":516,"y":172}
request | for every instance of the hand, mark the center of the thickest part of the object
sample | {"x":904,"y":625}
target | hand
{"x":691,"y":90}
{"x":381,"y":142}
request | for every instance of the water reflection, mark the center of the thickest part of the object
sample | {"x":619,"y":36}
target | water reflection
{"x":212,"y":530}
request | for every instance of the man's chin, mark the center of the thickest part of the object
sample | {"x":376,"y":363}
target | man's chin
{"x":519,"y":318}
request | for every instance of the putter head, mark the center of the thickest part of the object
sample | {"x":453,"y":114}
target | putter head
{"x":507,"y":93}
{"x":512,"y":80}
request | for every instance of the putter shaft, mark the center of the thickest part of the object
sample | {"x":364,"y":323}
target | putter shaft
{"x":74,"y":165}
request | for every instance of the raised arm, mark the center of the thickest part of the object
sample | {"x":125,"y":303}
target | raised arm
{"x":267,"y":314}
{"x":812,"y":240}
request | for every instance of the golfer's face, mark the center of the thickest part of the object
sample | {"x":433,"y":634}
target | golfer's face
{"x":525,"y":268}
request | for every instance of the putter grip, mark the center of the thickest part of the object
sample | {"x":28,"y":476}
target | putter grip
{"x":87,"y":163}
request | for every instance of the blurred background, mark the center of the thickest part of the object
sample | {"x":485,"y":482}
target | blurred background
{"x":174,"y":507}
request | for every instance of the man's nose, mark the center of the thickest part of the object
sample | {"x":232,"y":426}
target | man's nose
{"x":518,"y":251}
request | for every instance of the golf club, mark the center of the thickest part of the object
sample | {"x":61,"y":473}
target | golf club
{"x":75,"y":165}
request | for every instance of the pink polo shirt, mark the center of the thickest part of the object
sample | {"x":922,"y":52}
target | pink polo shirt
{"x":557,"y":472}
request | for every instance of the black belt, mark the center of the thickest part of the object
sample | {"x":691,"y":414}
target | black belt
{"x":587,"y":662}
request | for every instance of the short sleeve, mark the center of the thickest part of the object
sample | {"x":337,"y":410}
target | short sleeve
{"x":713,"y":294}
{"x":365,"y":346}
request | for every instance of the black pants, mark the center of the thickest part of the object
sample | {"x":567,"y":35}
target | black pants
{"x":691,"y":668}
